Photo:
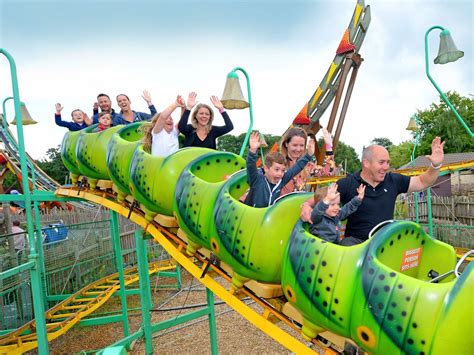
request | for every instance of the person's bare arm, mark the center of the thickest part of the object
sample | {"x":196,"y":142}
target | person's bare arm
{"x":160,"y":122}
{"x":429,"y":177}
{"x":306,"y":209}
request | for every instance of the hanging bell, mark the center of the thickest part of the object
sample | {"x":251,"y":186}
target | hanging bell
{"x":232,"y":98}
{"x":412,"y":125}
{"x":25,"y":116}
{"x":448,"y":51}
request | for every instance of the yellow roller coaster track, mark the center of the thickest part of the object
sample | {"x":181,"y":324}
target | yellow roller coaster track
{"x":69,"y":312}
{"x":195,"y":266}
{"x":468,"y":164}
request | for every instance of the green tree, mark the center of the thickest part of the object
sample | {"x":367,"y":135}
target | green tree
{"x":230,"y":143}
{"x":384,"y":142}
{"x":53,"y":164}
{"x":400,"y":154}
{"x":439,"y":120}
{"x":347,"y":156}
{"x":10,"y":182}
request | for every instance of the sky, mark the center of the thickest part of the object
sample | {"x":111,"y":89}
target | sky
{"x":70,"y":51}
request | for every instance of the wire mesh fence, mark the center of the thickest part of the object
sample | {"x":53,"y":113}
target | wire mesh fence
{"x":74,"y":256}
{"x":16,"y":302}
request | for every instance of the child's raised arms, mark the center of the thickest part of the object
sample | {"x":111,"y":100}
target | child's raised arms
{"x":87,"y":119}
{"x":59,"y":108}
{"x":332,"y":194}
{"x":254,"y":141}
{"x":361,"y":191}
{"x":163,"y":116}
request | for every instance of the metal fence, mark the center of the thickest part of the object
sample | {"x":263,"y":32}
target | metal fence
{"x":84,"y":255}
{"x":453,"y":209}
{"x":453,"y":217}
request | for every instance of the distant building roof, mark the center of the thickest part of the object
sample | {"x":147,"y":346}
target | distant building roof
{"x":451,"y":158}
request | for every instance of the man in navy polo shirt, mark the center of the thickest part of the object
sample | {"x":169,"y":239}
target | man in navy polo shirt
{"x":382,"y":189}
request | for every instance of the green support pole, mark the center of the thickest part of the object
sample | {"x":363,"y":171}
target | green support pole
{"x":443,"y":96}
{"x":430,"y":214}
{"x":115,"y":234}
{"x":145,"y":294}
{"x":412,"y":162}
{"x":178,"y":276}
{"x":39,"y":246}
{"x":35,"y":272}
{"x":415,"y":202}
{"x":212,"y":321}
{"x":249,"y":130}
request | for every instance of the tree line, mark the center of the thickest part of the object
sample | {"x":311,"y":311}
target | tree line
{"x":436,"y":121}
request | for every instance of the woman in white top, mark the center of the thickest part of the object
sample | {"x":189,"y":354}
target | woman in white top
{"x":161,"y":136}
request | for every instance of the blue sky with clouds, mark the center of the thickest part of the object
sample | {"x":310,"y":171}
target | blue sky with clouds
{"x":69,"y":51}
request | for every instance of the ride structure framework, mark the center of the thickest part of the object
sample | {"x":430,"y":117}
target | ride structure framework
{"x":174,"y":245}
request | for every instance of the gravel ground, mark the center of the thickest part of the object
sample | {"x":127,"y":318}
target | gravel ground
{"x":235,"y":335}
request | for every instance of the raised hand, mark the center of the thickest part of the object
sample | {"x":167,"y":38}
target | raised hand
{"x":87,"y":119}
{"x":311,"y":146}
{"x":361,"y":191}
{"x":332,"y":192}
{"x":180,"y":101}
{"x":217,"y":103}
{"x":437,"y":152}
{"x":58,"y":108}
{"x":191,"y":100}
{"x":147,"y":97}
{"x":95,"y":107}
{"x":254,"y":141}
{"x":327,"y":137}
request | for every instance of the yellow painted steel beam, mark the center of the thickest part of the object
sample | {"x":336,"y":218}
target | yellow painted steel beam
{"x":461,"y":251}
{"x":220,"y":291}
{"x":468,"y":164}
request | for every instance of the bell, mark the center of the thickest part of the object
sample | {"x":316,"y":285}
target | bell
{"x":448,"y":51}
{"x":412,"y":125}
{"x":25,"y":116}
{"x":232,"y":97}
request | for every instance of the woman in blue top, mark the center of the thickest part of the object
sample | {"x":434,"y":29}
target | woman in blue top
{"x":201,"y":132}
{"x":127,"y":115}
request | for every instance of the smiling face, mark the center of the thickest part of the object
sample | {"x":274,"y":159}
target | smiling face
{"x":77,"y":116}
{"x":123,"y":102}
{"x":334,"y":207}
{"x":169,"y":124}
{"x":203,"y":116}
{"x":375,"y":164}
{"x":275,"y":172}
{"x":293,"y":144}
{"x":104,"y":103}
{"x":296,"y":147}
